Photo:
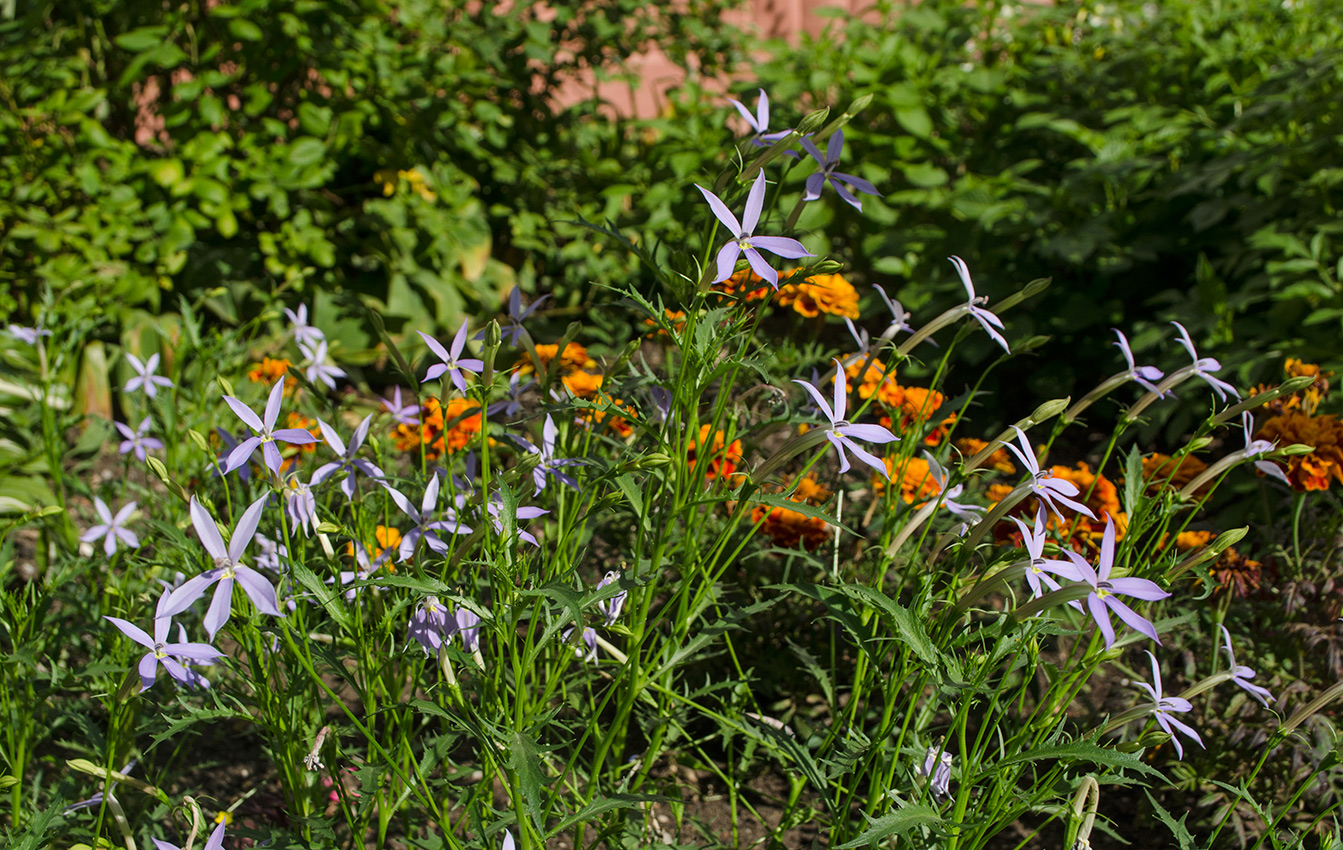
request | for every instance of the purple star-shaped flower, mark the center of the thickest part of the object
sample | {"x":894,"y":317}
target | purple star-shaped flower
{"x":494,"y":507}
{"x":587,"y":650}
{"x":511,"y":403}
{"x":900,"y":316}
{"x":110,"y":529}
{"x":1255,"y":447}
{"x":228,"y":568}
{"x":548,"y":466}
{"x":28,"y":335}
{"x":1203,"y":367}
{"x":346,"y":462}
{"x":137,"y":441}
{"x":939,"y":476}
{"x":145,"y":377}
{"x":514,"y":331}
{"x":405,"y":414}
{"x":1241,"y":675}
{"x":1144,"y":375}
{"x":610,"y":608}
{"x":430,"y":625}
{"x":759,"y":122}
{"x":304,"y":333}
{"x":1038,"y":573}
{"x":843,"y":183}
{"x":744,"y":242}
{"x":162,"y":652}
{"x":317,"y":368}
{"x":987,"y":320}
{"x":1044,"y":485}
{"x":1105,"y":591}
{"x":840,"y":433}
{"x":301,"y":505}
{"x":468,"y":626}
{"x":266,"y":435}
{"x":425,"y":525}
{"x":453,"y":363}
{"x":1164,"y":705}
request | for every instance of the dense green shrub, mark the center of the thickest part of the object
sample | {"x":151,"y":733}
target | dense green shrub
{"x":1158,"y":160}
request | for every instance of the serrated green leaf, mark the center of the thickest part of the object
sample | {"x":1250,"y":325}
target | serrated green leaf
{"x":897,"y":822}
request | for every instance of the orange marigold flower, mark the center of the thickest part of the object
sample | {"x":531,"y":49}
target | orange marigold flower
{"x":723,"y":456}
{"x":999,"y":460}
{"x":582,"y":384}
{"x":1236,"y":573}
{"x":875,"y":380}
{"x":820,"y":293}
{"x":440,"y":430}
{"x":386,"y":540}
{"x":675,"y":318}
{"x":1187,"y":540}
{"x":574,"y":358}
{"x":1305,"y":400}
{"x":787,"y":527}
{"x":745,"y":284}
{"x":270,"y":370}
{"x":1162,"y":471}
{"x":916,"y":480}
{"x":1324,"y":432}
{"x":619,"y":424}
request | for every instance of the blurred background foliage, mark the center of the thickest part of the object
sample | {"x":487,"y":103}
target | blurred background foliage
{"x":1157,"y":160}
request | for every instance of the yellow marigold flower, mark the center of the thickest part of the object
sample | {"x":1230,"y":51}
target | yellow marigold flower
{"x":575,"y":358}
{"x":999,"y":460}
{"x":1312,"y":471}
{"x":723,"y":457}
{"x":787,"y":527}
{"x":821,"y":293}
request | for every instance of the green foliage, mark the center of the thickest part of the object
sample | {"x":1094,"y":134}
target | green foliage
{"x":1171,"y":158}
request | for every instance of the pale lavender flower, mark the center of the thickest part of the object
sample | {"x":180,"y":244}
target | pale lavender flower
{"x":301,"y":505}
{"x":548,"y":466}
{"x":453,"y":363}
{"x":939,"y":476}
{"x":137,"y":441}
{"x":1163,"y":706}
{"x":160,"y":651}
{"x":742,"y":238}
{"x":610,"y":608}
{"x":512,"y":402}
{"x":508,"y":841}
{"x":347,"y":462}
{"x":215,"y":841}
{"x":987,"y":320}
{"x":195,"y":680}
{"x":1203,"y":367}
{"x":111,"y":528}
{"x":145,"y":377}
{"x":268,"y":558}
{"x":468,"y":627}
{"x":317,"y":368}
{"x":1105,"y":591}
{"x":230,"y":443}
{"x":1038,"y":573}
{"x":425,"y":525}
{"x":760,"y":121}
{"x":937,"y":767}
{"x":900,"y":316}
{"x":1144,"y":375}
{"x":405,"y":414}
{"x":430,"y":625}
{"x":840,"y":432}
{"x":844,"y":183}
{"x":304,"y":333}
{"x":514,"y":331}
{"x":28,"y":335}
{"x":495,"y":505}
{"x":228,"y":568}
{"x":1044,"y":485}
{"x":1255,"y":447}
{"x":266,"y":435}
{"x":1241,"y":675}
{"x":587,"y":646}
{"x":860,"y":338}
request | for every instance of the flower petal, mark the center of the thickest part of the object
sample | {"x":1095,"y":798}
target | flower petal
{"x":721,"y":212}
{"x":258,"y":590}
{"x":206,"y":530}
